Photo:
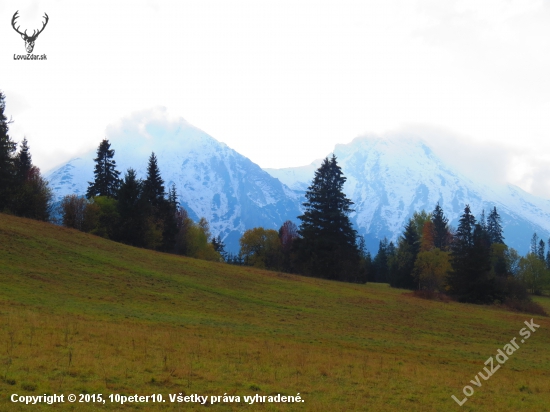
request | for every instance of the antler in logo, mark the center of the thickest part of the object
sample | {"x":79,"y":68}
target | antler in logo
{"x":29,"y":40}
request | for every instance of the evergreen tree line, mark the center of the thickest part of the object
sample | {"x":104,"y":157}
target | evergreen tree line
{"x":138,"y":212}
{"x":471,"y":263}
{"x":23,"y":190}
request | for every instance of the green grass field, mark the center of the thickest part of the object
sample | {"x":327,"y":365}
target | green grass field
{"x":83,"y":315}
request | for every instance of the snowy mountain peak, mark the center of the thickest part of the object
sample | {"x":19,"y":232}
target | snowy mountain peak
{"x":155,"y":130}
{"x":212,"y":180}
{"x":390,"y":177}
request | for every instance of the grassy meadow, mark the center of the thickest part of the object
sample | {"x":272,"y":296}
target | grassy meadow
{"x":83,"y":315}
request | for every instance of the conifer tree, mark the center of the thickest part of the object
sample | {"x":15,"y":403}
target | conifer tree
{"x":401,"y":275}
{"x":31,"y":195}
{"x":133,"y":210}
{"x":440,"y":228}
{"x":381,"y":262}
{"x":7,"y":152}
{"x":391,"y":249}
{"x":482,"y":220}
{"x":391,"y":252}
{"x":362,"y":246}
{"x":327,"y":247}
{"x":288,"y":233}
{"x":494,"y":227}
{"x":23,"y":161}
{"x":534,"y":243}
{"x":106,"y":177}
{"x":173,"y":196}
{"x":470,"y":279}
{"x":464,"y":234}
{"x":154,"y":185}
{"x":481,"y":283}
{"x":367,"y":266}
{"x":540,"y":250}
{"x":168,"y":213}
{"x":219,"y":246}
{"x":460,"y":279}
{"x":366,"y":260}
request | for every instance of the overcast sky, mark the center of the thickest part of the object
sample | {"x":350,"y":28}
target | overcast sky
{"x":282,"y":82}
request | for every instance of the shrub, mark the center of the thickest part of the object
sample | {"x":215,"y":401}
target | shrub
{"x":527,"y":306}
{"x":431,"y":294}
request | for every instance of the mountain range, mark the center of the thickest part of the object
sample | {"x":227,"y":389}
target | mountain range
{"x":388,"y":178}
{"x":212,"y":180}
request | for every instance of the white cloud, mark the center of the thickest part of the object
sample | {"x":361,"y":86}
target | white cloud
{"x":489,"y":161}
{"x":283,"y":82}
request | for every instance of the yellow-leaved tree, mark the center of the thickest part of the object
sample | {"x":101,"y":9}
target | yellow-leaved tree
{"x":431,"y":268}
{"x":261,"y":248}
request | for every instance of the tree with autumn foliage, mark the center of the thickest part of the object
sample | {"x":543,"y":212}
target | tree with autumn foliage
{"x":427,"y":242}
{"x":432,"y":264}
{"x":431,"y":269}
{"x":261,"y":248}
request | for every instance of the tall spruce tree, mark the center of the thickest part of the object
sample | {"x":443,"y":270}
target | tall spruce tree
{"x":173,"y":196}
{"x":534,"y":243}
{"x":482,"y":220}
{"x":440,"y":228}
{"x":461,"y":251}
{"x":169,"y":209}
{"x":31,"y":195}
{"x":7,"y":161}
{"x":106,"y":177}
{"x":133,"y":210}
{"x":327,"y":247}
{"x":540,"y":250}
{"x":401,"y":275}
{"x":494,"y":227}
{"x":482,"y":286}
{"x":381,"y":262}
{"x":23,"y":162}
{"x":153,"y":185}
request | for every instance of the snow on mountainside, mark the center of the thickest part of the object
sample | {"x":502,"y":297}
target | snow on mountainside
{"x":391,"y":177}
{"x":212,"y":180}
{"x":297,"y":178}
{"x":388,"y":178}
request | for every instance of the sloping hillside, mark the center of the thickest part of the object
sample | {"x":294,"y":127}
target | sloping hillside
{"x":83,"y":315}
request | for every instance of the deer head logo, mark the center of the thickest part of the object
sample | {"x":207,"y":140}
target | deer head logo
{"x":29,"y":40}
